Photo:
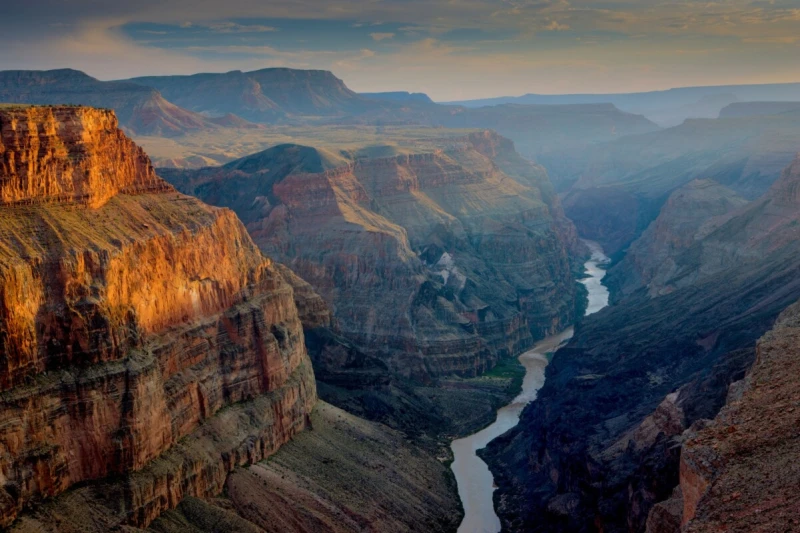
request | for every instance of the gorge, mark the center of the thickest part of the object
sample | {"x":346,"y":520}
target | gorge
{"x":475,"y":482}
{"x":373,"y":313}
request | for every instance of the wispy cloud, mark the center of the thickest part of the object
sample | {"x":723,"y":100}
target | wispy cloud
{"x":233,"y":27}
{"x":470,"y":47}
{"x":381,"y":36}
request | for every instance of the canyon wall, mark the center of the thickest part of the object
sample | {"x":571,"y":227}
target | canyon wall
{"x":618,"y":188}
{"x":739,"y":472}
{"x":434,"y":262}
{"x":147,"y":345}
{"x":601,"y":446}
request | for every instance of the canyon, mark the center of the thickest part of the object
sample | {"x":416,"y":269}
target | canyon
{"x":286,"y":326}
{"x":602,"y":444}
{"x":435,"y":263}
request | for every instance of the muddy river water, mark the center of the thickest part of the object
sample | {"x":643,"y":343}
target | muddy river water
{"x":475,"y":482}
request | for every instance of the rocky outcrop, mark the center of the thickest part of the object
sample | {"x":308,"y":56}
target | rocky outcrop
{"x":64,"y":154}
{"x":436,"y":262}
{"x":130,"y":322}
{"x":686,"y":216}
{"x":603,"y":439}
{"x":739,"y":472}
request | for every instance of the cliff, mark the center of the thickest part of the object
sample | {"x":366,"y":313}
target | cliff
{"x":740,"y":472}
{"x":147,"y":348}
{"x":601,"y":446}
{"x":69,"y":154}
{"x":652,"y":260}
{"x":435,"y":263}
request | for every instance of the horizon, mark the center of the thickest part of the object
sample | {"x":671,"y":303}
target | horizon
{"x":344,"y":80}
{"x":450,"y":50}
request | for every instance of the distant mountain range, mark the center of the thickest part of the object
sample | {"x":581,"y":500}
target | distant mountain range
{"x":666,"y":108}
{"x":400,"y":96}
{"x":170,"y":106}
{"x":141,"y":110}
{"x":268,"y":95}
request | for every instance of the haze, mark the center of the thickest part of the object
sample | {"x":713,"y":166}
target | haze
{"x":450,"y":49}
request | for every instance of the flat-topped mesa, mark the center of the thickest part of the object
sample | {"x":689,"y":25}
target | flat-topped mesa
{"x":145,"y":338}
{"x":69,"y":154}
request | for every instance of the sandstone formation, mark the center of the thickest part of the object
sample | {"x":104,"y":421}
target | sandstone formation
{"x":438,"y":262}
{"x":75,"y":155}
{"x":147,"y":347}
{"x":601,"y":445}
{"x":651,"y":260}
{"x":740,"y":472}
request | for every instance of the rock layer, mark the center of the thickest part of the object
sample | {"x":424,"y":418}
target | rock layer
{"x":129,"y":321}
{"x":740,"y":472}
{"x":438,"y":262}
{"x":75,"y":155}
{"x":601,"y":445}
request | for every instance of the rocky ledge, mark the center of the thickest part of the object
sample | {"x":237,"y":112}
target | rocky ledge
{"x":739,"y":472}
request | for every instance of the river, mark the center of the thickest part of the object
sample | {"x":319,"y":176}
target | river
{"x":475,"y":481}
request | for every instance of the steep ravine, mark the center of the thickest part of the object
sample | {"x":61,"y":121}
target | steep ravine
{"x":437,"y":265}
{"x":601,"y":446}
{"x":475,"y":482}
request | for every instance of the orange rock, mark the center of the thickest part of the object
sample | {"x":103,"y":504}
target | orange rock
{"x":127,"y":321}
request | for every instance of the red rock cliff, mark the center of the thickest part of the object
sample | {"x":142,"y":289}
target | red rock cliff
{"x":740,"y":473}
{"x":69,"y":154}
{"x":127,"y":322}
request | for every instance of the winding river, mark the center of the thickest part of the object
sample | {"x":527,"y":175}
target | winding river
{"x":475,"y":482}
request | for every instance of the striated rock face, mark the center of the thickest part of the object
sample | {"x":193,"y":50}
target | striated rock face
{"x":127,"y":323}
{"x":651,"y":260}
{"x":605,"y":432}
{"x":69,"y":154}
{"x":437,"y":262}
{"x":740,"y":472}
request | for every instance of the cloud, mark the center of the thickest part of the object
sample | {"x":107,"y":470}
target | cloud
{"x":381,"y":36}
{"x":474,"y":47}
{"x":233,"y":27}
{"x":555,"y":26}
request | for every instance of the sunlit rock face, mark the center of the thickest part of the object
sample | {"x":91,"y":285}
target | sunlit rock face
{"x":130,"y":316}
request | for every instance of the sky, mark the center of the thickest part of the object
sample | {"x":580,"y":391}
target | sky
{"x":449,"y":49}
